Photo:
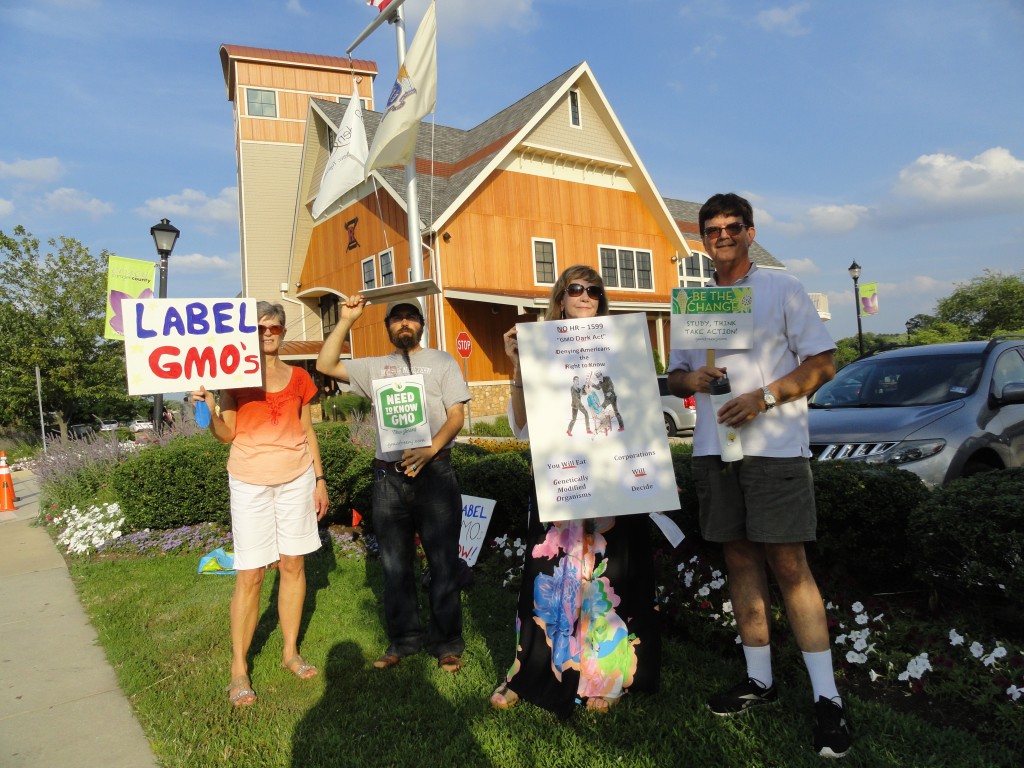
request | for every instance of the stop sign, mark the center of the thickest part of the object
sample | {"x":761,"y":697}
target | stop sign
{"x":463,"y":344}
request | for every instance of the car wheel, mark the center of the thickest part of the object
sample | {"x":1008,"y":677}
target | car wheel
{"x":976,"y":467}
{"x":670,"y":427}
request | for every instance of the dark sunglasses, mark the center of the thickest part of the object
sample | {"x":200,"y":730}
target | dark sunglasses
{"x":275,"y":330}
{"x":730,"y":229}
{"x":575,"y":290}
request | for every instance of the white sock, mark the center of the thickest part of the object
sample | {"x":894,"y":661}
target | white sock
{"x":823,"y":678}
{"x":759,"y":663}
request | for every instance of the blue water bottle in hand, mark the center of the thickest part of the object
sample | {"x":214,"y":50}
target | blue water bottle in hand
{"x":202,"y":414}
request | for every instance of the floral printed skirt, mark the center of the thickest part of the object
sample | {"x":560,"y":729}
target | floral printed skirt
{"x":586,"y":621}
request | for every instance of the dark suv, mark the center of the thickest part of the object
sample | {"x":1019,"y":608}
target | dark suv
{"x":942,"y":411}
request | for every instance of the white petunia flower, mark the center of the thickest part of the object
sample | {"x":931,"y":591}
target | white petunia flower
{"x":856,"y":658}
{"x":857,"y":607}
{"x":955,"y":638}
{"x":977,"y":649}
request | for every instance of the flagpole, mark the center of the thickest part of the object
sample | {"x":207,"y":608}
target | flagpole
{"x":393,"y":13}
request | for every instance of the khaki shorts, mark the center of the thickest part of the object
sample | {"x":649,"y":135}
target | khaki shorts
{"x":268,"y":521}
{"x":767,"y":500}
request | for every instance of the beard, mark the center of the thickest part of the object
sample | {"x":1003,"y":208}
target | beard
{"x":405,"y":338}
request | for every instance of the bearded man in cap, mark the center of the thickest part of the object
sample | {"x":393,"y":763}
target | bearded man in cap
{"x":414,"y":490}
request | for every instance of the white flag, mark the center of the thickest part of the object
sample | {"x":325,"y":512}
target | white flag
{"x":345,"y":168}
{"x":413,"y":97}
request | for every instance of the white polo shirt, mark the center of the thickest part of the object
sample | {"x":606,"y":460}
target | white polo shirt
{"x":787,"y":329}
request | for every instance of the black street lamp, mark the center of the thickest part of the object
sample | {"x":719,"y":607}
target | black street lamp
{"x":165,"y":235}
{"x":910,"y":327}
{"x":854,"y":271}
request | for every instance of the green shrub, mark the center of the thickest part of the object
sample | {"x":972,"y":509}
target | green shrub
{"x":863,"y":511}
{"x":344,"y":406}
{"x":504,"y":477}
{"x":181,"y":483}
{"x":349,"y":471}
{"x":499,"y":428}
{"x":968,"y":537}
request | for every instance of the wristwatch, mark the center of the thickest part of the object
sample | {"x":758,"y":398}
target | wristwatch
{"x":769,"y":398}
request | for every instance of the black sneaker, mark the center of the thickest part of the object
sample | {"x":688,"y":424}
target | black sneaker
{"x":741,"y":697}
{"x":831,"y":728}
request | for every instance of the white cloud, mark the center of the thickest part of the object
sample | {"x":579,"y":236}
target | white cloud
{"x":475,"y":15}
{"x":784,"y":20}
{"x":295,"y":6}
{"x":193,"y":204}
{"x":69,"y":200}
{"x":802,"y":266}
{"x":197,"y":262}
{"x":995,"y":178}
{"x":43,"y":170}
{"x":6,"y":207}
{"x":836,"y":218}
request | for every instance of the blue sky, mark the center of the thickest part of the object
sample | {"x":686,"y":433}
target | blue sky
{"x":887,"y":132}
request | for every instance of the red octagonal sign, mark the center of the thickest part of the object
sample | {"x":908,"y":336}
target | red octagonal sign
{"x":463,"y":344}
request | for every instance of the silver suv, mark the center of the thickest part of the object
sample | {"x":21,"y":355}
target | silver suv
{"x":942,"y":411}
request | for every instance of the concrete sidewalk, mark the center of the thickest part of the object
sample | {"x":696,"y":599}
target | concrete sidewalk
{"x":60,"y":703}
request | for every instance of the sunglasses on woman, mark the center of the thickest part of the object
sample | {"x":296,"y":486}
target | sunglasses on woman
{"x":575,"y":290}
{"x":275,"y":330}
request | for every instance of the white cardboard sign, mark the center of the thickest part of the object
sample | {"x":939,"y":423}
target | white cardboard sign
{"x":177,"y":344}
{"x":476,"y":516}
{"x":613,"y":457}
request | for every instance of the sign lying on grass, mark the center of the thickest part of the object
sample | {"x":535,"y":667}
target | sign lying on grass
{"x":476,"y":516}
{"x":172,"y":345}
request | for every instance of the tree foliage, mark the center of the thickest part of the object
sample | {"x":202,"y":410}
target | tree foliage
{"x":52,"y":310}
{"x":986,"y":306}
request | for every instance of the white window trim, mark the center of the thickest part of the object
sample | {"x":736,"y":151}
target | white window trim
{"x":579,"y":109}
{"x":362,"y":272}
{"x":554,"y":259}
{"x":277,"y":104}
{"x":635,"y":251}
{"x":380,"y":267}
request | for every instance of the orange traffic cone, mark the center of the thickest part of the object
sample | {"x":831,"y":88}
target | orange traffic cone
{"x":7,"y":497}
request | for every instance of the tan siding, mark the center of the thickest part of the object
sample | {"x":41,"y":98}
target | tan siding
{"x":270,"y":177}
{"x":592,"y":140}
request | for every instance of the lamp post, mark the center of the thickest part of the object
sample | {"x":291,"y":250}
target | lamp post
{"x":165,"y":235}
{"x":910,"y":327}
{"x":854,"y":271}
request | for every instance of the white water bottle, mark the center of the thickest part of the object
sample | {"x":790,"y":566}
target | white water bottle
{"x":728,"y":437}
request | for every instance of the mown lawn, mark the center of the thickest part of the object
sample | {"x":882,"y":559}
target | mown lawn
{"x":165,"y":630}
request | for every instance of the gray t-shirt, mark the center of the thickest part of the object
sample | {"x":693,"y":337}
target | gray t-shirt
{"x":444,"y":382}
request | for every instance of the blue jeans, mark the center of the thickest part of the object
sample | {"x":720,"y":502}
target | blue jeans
{"x":431,"y":505}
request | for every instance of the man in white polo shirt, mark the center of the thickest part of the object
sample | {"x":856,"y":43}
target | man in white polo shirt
{"x":761,"y":508}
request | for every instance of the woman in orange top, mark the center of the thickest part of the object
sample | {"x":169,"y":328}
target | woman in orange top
{"x":278,"y":493}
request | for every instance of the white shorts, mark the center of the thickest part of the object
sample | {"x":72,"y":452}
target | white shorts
{"x":268,"y":521}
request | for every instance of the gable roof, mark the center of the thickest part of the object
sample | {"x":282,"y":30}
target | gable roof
{"x":451,"y":163}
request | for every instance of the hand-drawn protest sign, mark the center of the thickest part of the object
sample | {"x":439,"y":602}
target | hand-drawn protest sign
{"x":596,"y":429}
{"x":713,"y":318}
{"x":476,"y":516}
{"x":179,"y":344}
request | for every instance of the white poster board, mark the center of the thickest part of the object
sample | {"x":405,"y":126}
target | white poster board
{"x":172,"y":345}
{"x":616,"y":460}
{"x":713,"y":318}
{"x":476,"y":516}
{"x":400,"y":405}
